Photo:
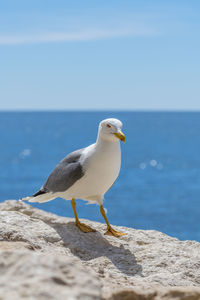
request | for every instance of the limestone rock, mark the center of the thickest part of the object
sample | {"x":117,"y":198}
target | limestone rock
{"x":167,"y":293}
{"x":154,"y":263}
{"x":30,"y":275}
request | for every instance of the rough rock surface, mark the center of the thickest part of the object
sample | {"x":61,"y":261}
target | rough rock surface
{"x":31,"y":275}
{"x":140,"y":265}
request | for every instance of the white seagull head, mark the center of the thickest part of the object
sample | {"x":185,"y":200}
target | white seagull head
{"x":110,"y":129}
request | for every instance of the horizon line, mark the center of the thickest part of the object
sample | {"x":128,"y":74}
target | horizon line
{"x":99,"y":110}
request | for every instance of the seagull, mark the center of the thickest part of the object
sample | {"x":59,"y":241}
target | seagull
{"x":87,"y":173}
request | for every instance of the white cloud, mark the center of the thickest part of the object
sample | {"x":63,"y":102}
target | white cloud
{"x":86,"y":35}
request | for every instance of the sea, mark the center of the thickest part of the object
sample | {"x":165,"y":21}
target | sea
{"x":159,"y":183}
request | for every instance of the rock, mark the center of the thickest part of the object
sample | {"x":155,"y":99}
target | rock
{"x":30,"y":275}
{"x":167,"y":293}
{"x":141,"y":265}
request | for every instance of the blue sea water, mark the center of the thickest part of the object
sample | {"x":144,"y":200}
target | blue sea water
{"x":159,"y":183}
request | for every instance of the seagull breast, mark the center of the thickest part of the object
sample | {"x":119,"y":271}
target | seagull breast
{"x":101,"y":164}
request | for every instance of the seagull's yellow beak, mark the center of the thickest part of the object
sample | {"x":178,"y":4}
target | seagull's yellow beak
{"x":120,"y":136}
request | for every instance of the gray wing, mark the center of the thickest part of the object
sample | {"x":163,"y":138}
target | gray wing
{"x":66,"y":173}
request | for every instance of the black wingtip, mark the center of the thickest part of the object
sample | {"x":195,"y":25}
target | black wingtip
{"x":40,"y":192}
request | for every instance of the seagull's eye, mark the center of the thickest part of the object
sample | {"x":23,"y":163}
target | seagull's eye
{"x":108,"y":125}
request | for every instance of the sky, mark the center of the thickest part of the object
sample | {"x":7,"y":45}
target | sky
{"x":102,"y":55}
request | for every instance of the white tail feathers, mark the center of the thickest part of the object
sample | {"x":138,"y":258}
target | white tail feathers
{"x":40,"y":198}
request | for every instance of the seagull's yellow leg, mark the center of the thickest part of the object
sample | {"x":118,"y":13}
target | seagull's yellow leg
{"x":110,"y":230}
{"x":81,"y":226}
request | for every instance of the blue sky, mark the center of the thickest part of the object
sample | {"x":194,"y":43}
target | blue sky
{"x":140,"y":55}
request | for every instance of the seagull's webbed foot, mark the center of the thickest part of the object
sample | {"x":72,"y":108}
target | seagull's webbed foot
{"x":84,"y":228}
{"x":113,"y":232}
{"x":110,"y":230}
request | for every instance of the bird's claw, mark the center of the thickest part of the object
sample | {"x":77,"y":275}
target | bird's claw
{"x":114,"y":232}
{"x":85,"y":228}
